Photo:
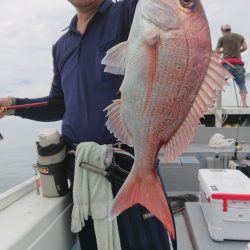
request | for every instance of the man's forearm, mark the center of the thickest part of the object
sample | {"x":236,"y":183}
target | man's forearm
{"x":52,"y":112}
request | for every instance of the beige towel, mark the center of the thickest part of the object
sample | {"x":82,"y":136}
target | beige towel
{"x":92,"y":195}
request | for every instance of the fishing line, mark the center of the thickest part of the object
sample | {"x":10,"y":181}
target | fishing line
{"x":239,"y":115}
{"x":239,"y":120}
{"x":235,"y":92}
{"x":237,"y":101}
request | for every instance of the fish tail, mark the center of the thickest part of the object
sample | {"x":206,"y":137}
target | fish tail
{"x":148,"y":192}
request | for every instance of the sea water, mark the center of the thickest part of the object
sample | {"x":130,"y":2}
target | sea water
{"x":18,"y":149}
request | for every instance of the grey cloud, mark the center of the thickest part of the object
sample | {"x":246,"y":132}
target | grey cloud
{"x":29,"y":28}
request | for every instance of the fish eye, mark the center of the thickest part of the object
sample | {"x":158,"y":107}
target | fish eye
{"x":187,"y":3}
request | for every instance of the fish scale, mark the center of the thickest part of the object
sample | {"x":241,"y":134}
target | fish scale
{"x":171,"y":77}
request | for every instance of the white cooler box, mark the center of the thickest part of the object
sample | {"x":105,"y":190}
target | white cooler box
{"x":225,"y":201}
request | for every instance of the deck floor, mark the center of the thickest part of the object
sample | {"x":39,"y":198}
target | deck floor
{"x":196,"y":230}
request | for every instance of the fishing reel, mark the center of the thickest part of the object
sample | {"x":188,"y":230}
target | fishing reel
{"x":238,"y":147}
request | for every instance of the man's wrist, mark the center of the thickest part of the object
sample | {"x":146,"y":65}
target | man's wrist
{"x":12,"y":101}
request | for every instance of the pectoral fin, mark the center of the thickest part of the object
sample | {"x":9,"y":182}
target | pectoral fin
{"x":115,"y":59}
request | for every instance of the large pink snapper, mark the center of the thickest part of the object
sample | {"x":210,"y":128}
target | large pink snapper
{"x":171,"y":77}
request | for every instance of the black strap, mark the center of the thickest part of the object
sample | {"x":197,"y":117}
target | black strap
{"x":59,"y":173}
{"x":50,"y":169}
{"x":51,"y":149}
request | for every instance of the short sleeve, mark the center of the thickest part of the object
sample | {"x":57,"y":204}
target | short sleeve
{"x":219,"y":43}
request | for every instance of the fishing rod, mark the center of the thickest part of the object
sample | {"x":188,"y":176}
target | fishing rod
{"x":56,"y":101}
{"x":237,"y":145}
{"x":22,"y":106}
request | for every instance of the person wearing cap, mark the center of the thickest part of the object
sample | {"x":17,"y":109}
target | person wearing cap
{"x":231,"y":45}
{"x":80,"y":91}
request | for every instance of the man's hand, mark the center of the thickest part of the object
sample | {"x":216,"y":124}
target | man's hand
{"x":243,"y":46}
{"x":4,"y":102}
{"x":219,"y":50}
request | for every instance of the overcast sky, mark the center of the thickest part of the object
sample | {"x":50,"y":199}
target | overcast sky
{"x":28,"y":29}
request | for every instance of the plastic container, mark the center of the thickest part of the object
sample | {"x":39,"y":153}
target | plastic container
{"x":52,"y":170}
{"x":224,"y":196}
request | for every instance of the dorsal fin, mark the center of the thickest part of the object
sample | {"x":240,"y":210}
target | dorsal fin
{"x":115,"y":123}
{"x":115,"y":59}
{"x":214,"y":80}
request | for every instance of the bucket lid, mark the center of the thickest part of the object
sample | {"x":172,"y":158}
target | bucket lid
{"x":48,"y":136}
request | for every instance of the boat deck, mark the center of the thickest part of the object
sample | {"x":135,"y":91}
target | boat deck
{"x":31,"y":221}
{"x":192,"y":232}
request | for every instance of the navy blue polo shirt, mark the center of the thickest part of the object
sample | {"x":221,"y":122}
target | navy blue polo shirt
{"x":79,"y":79}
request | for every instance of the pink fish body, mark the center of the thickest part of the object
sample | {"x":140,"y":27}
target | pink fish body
{"x":171,"y":78}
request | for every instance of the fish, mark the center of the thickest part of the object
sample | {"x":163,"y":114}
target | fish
{"x":171,"y":78}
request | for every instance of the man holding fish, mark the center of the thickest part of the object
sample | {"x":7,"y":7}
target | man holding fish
{"x":170,"y":79}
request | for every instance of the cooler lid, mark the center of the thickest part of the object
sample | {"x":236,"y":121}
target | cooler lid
{"x":218,"y":183}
